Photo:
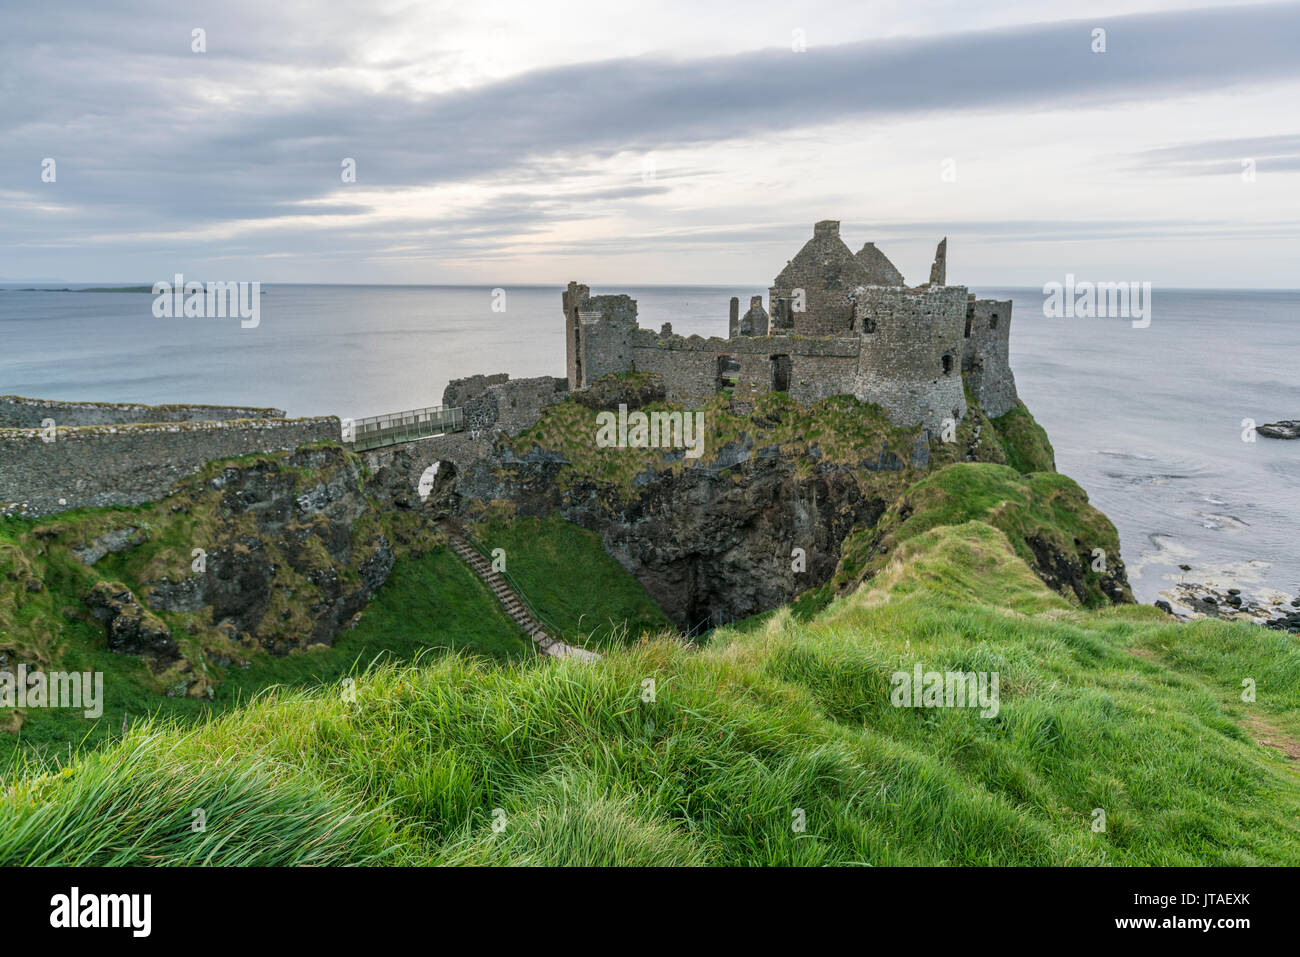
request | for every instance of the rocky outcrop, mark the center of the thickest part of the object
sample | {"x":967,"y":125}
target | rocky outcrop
{"x":281,"y":551}
{"x":132,"y":629}
{"x":710,"y":544}
{"x":284,"y":553}
{"x":1285,"y":429}
{"x":111,"y":542}
{"x":757,"y":521}
{"x":1063,"y":572}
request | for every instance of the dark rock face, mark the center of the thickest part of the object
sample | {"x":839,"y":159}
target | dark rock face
{"x":132,"y":628}
{"x":278,"y":537}
{"x":1285,"y":429}
{"x":1062,"y":571}
{"x":709,"y":547}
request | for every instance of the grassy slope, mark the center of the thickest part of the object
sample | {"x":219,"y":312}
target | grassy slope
{"x":1045,"y":506}
{"x":431,"y":601}
{"x":566,"y":574}
{"x":1024,"y":442}
{"x":1118,"y":709}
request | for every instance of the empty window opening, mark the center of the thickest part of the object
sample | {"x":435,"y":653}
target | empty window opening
{"x":728,"y":372}
{"x":780,"y":373}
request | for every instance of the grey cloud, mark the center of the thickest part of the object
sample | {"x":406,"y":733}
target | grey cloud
{"x":1224,"y":156}
{"x":141,"y":149}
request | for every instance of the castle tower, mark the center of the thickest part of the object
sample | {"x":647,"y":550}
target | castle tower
{"x":910,"y":362}
{"x":880,"y":271}
{"x":597,"y":334}
{"x":986,"y":355}
{"x":813,"y":295}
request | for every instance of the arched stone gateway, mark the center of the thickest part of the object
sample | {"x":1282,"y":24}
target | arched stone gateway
{"x":437,"y":488}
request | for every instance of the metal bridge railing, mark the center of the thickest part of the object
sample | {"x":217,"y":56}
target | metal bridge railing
{"x":377,"y":431}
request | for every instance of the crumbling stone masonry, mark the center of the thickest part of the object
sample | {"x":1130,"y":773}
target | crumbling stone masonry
{"x":99,"y":465}
{"x":19,"y":412}
{"x":836,"y":324}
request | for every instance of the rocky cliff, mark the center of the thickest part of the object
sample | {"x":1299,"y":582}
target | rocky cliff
{"x":760,"y":518}
{"x":275,"y":552}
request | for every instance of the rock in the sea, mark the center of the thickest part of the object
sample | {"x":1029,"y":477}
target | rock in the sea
{"x":1285,"y":429}
{"x":1164,"y":606}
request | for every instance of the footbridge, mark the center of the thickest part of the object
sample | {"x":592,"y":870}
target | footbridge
{"x":377,"y":431}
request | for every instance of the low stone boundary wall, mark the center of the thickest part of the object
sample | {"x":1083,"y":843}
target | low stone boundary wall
{"x":20,"y":412}
{"x":96,"y":466}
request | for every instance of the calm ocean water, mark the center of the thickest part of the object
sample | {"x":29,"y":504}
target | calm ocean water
{"x":1149,"y":421}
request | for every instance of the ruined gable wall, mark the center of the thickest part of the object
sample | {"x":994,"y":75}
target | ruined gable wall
{"x":986,"y":358}
{"x":828,"y":309}
{"x":901,"y":366}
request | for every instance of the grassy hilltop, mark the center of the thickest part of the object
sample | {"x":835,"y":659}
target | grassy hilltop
{"x":429,"y":732}
{"x":1117,"y":709}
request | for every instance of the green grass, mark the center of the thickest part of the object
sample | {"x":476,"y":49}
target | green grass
{"x":1046,"y":509}
{"x":1118,"y":709}
{"x":565,"y":573}
{"x":430,"y":601}
{"x":1024,"y":441}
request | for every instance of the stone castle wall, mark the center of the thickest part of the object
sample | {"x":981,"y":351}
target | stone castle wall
{"x":691,"y":366}
{"x":597,"y":330}
{"x":20,"y":412}
{"x":906,"y":354}
{"x":499,"y":402}
{"x":911,"y":363}
{"x":986,"y":355}
{"x":97,"y":466}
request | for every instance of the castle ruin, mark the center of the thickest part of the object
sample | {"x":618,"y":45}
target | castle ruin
{"x":837,"y":323}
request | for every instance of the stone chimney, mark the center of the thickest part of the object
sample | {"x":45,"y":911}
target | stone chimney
{"x":827,"y":227}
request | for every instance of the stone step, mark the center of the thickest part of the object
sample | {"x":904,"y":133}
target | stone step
{"x":510,"y":600}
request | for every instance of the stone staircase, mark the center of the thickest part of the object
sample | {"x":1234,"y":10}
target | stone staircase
{"x":514,"y":605}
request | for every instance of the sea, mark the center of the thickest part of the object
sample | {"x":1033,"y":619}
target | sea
{"x":1154,"y":422}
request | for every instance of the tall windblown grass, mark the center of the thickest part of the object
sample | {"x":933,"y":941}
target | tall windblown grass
{"x":777,"y":746}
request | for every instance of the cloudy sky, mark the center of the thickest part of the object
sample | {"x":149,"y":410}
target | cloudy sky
{"x":673,"y":141}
